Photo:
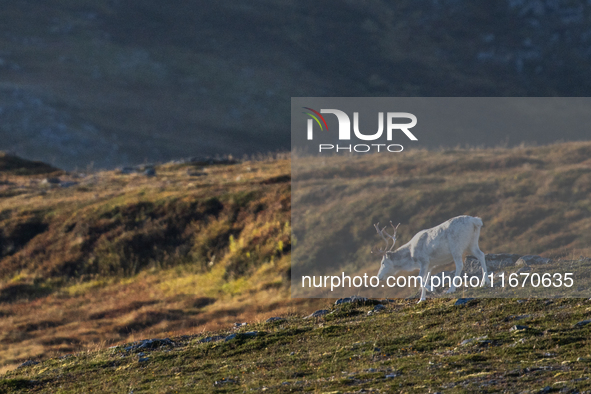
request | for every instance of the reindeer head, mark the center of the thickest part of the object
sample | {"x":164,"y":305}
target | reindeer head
{"x":387,"y":265}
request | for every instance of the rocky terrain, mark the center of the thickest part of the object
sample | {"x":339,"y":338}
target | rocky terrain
{"x":119,"y":83}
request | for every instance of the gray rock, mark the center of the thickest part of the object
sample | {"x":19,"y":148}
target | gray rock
{"x":143,"y":359}
{"x":274,"y":319}
{"x":518,"y":327}
{"x":462,"y":301}
{"x":28,"y":363}
{"x":378,"y":307}
{"x":531,"y":260}
{"x":318,"y":313}
{"x":150,"y":344}
{"x":155,"y":343}
{"x":150,"y":172}
{"x":352,"y":300}
{"x":250,"y":334}
{"x":239,"y":325}
{"x":224,"y":381}
{"x":582,"y":323}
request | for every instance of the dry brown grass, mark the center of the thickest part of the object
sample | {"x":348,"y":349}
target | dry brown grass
{"x":122,"y":257}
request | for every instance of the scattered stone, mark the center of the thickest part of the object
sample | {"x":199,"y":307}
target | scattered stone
{"x":353,"y":300}
{"x":318,"y":313}
{"x":463,"y":301}
{"x":518,"y":327}
{"x":376,"y":309}
{"x":143,"y":359}
{"x":274,"y":319}
{"x":239,"y":325}
{"x":155,"y":343}
{"x":584,"y":359}
{"x":28,"y":363}
{"x":521,"y":301}
{"x":150,"y":344}
{"x":292,"y":353}
{"x":582,"y":323}
{"x":523,"y":269}
{"x":546,"y":389}
{"x":531,"y":260}
{"x":391,"y":375}
{"x":150,"y":172}
{"x":250,"y":334}
{"x":224,"y":381}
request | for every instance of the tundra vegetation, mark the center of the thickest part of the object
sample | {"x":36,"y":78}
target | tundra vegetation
{"x":102,"y":259}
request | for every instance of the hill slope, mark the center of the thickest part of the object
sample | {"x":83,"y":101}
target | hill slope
{"x":107,"y":257}
{"x":486,"y":346}
{"x":119,"y":82}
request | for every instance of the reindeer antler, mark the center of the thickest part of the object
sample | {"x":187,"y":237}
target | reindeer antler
{"x":392,"y":237}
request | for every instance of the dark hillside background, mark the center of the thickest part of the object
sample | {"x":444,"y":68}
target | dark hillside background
{"x":119,"y":82}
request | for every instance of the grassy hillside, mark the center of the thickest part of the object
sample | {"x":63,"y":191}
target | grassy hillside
{"x":114,"y":255}
{"x":533,"y":200}
{"x":484,"y":346}
{"x":109,"y":257}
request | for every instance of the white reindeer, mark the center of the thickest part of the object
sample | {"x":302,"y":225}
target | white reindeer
{"x":433,"y":247}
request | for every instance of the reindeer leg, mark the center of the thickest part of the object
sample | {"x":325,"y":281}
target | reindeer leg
{"x":480,"y":256}
{"x":423,"y":273}
{"x":459,"y":268}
